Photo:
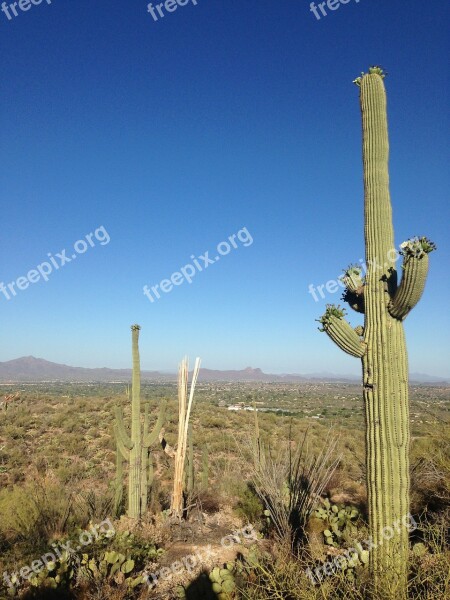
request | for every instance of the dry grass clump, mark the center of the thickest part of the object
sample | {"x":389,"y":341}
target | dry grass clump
{"x":430,"y":472}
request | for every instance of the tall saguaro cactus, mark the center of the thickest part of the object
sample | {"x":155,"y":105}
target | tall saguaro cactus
{"x":380,"y":344}
{"x":136,"y":448}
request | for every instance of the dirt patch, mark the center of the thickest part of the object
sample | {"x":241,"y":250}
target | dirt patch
{"x":197,"y":546}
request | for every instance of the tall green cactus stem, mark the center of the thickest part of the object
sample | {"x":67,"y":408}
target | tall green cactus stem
{"x":381,"y":346}
{"x":205,"y":468}
{"x":134,"y":495}
{"x":190,"y":465}
{"x":257,"y":445}
{"x":135,"y":448}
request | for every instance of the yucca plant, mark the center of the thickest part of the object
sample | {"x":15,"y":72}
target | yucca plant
{"x":289,"y":483}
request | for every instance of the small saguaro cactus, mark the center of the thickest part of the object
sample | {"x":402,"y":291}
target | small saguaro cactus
{"x":135,"y":448}
{"x":380,"y":344}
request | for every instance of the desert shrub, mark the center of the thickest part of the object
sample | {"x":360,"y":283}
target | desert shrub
{"x":249,"y":507}
{"x":92,"y":505}
{"x":289,"y":481}
{"x":430,"y":472}
{"x":68,"y":472}
{"x":280,"y":575}
{"x":430,"y":560}
{"x":34,"y":512}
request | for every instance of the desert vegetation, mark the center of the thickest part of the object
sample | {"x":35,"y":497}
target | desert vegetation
{"x":242,"y":491}
{"x":58,"y":479}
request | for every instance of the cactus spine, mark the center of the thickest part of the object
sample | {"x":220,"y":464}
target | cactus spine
{"x":136,"y":448}
{"x":381,"y":346}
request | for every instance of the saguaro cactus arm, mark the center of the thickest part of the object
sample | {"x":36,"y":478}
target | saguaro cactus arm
{"x":124,"y":451}
{"x":122,"y":436}
{"x":118,"y":483}
{"x":352,"y":279}
{"x":341,"y":332}
{"x":150,"y":437}
{"x":354,"y":288}
{"x":415,"y":270}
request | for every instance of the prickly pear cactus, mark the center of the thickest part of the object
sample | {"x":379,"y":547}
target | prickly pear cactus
{"x":340,"y":521}
{"x":381,"y":345}
{"x":218,"y":584}
{"x":222,"y":580}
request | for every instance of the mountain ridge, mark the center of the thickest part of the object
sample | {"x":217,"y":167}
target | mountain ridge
{"x":31,"y":369}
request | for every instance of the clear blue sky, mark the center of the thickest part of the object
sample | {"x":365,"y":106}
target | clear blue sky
{"x":175,"y":134}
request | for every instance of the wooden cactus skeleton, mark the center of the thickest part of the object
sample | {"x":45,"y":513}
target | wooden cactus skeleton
{"x":381,"y":346}
{"x":184,"y":412}
{"x":135,"y":448}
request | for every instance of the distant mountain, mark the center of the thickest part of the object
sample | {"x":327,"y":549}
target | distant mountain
{"x":247,"y":374}
{"x":31,"y":369}
{"x":423,"y":378}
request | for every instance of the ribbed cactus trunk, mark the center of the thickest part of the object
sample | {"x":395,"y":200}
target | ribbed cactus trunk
{"x":134,"y":496}
{"x":205,"y":468}
{"x":382,"y":349}
{"x":385,"y":366}
{"x":135,"y":448}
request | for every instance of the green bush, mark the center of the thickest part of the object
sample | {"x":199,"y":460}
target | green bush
{"x":34,"y":512}
{"x":249,"y":506}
